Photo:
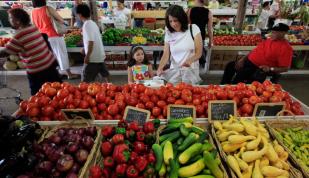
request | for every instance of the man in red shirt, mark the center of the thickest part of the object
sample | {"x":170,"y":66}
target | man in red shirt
{"x":270,"y":58}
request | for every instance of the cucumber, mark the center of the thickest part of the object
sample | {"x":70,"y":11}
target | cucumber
{"x":202,"y":176}
{"x":190,"y":152}
{"x":162,"y":171}
{"x":157,"y":149}
{"x":206,"y":171}
{"x":183,"y":130}
{"x":193,"y":159}
{"x":188,"y":141}
{"x":203,"y":137}
{"x":180,"y":140}
{"x":166,"y":136}
{"x":168,"y":130}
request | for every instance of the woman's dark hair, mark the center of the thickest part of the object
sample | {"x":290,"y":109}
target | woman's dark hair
{"x":176,"y":11}
{"x":38,"y":3}
{"x":83,"y":10}
{"x":132,"y":61}
{"x":121,"y":1}
{"x":21,"y":15}
{"x":265,"y":4}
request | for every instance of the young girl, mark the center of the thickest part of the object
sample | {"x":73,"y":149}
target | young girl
{"x":139,"y":68}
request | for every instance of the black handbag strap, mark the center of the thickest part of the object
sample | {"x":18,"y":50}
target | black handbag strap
{"x":191,"y":32}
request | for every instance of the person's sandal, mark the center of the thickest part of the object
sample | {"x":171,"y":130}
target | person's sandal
{"x":73,"y":76}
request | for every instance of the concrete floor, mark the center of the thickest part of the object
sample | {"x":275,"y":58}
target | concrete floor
{"x":297,"y":85}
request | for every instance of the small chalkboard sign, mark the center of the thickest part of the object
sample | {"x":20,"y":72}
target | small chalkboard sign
{"x":135,"y":114}
{"x":180,"y":111}
{"x":268,"y":109}
{"x":70,"y":114}
{"x":221,"y":110}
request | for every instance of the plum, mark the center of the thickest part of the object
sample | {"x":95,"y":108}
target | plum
{"x":72,"y":175}
{"x":45,"y":167}
{"x":88,"y":142}
{"x":91,"y":131}
{"x":65,"y":163}
{"x":75,"y":168}
{"x":81,"y":155}
{"x":72,"y":147}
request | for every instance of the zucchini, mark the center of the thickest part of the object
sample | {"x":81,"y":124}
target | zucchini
{"x":166,"y":136}
{"x":212,"y":165}
{"x":190,"y":152}
{"x":188,"y":141}
{"x":157,"y":149}
{"x":168,"y":130}
{"x":168,"y":152}
{"x":193,"y":159}
{"x":192,"y":169}
{"x":187,"y":119}
{"x":171,"y":138}
{"x":203,"y":137}
{"x":183,"y":130}
{"x":162,"y":171}
{"x":180,"y":140}
{"x":206,"y":171}
{"x":197,"y":130}
{"x":174,"y":170}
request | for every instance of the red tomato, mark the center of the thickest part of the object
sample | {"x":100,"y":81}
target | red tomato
{"x":247,"y":108}
{"x":76,"y":102}
{"x":149,"y":91}
{"x":267,"y":94}
{"x":132,"y":101}
{"x":100,"y":97}
{"x":161,"y":104}
{"x":221,"y":95}
{"x":61,"y":94}
{"x":23,"y":105}
{"x":245,"y":101}
{"x":171,"y":100}
{"x":83,"y":86}
{"x":33,"y":112}
{"x":101,"y":107}
{"x":121,"y":104}
{"x":176,"y":93}
{"x":179,"y":102}
{"x":112,"y":109}
{"x":253,"y":100}
{"x":156,"y":111}
{"x":92,"y":102}
{"x":140,"y":105}
{"x":154,"y":98}
{"x":48,"y":111}
{"x":93,"y":89}
{"x":149,"y":105}
{"x":199,"y":109}
{"x":43,"y":101}
{"x":50,"y":92}
{"x":56,"y":85}
{"x":145,"y":98}
{"x":84,"y":104}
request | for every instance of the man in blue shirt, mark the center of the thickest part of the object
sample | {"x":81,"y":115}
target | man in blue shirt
{"x":75,"y":21}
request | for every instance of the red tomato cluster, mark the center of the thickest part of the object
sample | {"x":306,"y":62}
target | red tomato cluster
{"x":3,"y":41}
{"x":237,"y":40}
{"x":108,"y":101}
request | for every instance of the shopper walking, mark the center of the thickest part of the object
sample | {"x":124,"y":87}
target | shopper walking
{"x":42,"y":17}
{"x":75,"y":20}
{"x":93,"y":47}
{"x":202,"y":17}
{"x":29,"y":44}
{"x":183,"y":46}
{"x":270,"y":58}
{"x":139,"y":68}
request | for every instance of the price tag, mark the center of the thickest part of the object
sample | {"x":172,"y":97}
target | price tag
{"x":268,"y":109}
{"x":180,"y":111}
{"x":221,"y":110}
{"x":135,"y":114}
{"x":70,"y":114}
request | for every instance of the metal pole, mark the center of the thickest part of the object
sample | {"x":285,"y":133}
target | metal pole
{"x":241,"y":13}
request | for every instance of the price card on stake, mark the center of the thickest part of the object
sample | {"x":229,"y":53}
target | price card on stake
{"x":221,"y":110}
{"x":136,"y":114}
{"x":70,"y":114}
{"x":180,"y":111}
{"x":268,"y":109}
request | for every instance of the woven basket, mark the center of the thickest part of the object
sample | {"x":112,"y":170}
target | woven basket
{"x":80,"y":124}
{"x":294,"y":173}
{"x":283,"y":124}
{"x":205,"y":127}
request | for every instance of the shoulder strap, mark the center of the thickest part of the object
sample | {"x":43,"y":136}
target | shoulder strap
{"x":191,"y":32}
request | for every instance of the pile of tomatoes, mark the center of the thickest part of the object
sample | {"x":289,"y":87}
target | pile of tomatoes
{"x":237,"y":40}
{"x":108,"y":101}
{"x":3,"y":41}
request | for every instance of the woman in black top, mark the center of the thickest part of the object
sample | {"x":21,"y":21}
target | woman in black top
{"x":201,"y":16}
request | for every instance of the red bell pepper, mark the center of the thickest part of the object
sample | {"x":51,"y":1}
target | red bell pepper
{"x":140,"y":136}
{"x":151,"y":158}
{"x":106,"y":148}
{"x":121,"y":170}
{"x":121,"y":153}
{"x":149,"y":172}
{"x":132,"y":172}
{"x":118,"y":139}
{"x":108,"y":162}
{"x":130,"y":135}
{"x":107,"y":131}
{"x":141,"y":163}
{"x":139,"y":147}
{"x":95,"y":171}
{"x":149,"y":127}
{"x":134,"y":126}
{"x":133,"y":156}
{"x":106,"y":173}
